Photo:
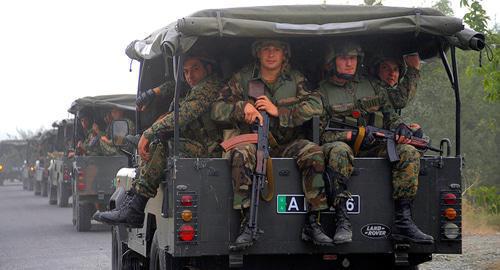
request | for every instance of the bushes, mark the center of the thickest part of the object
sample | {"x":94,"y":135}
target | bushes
{"x":486,"y":198}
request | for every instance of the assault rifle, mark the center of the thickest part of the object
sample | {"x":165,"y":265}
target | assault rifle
{"x":388,"y":136}
{"x":256,"y":89}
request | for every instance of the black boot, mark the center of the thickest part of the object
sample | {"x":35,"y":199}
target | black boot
{"x":245,"y":238}
{"x":130,"y":212}
{"x":312,"y":231}
{"x":405,"y":229}
{"x":343,"y":231}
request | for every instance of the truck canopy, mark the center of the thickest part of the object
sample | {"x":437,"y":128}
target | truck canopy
{"x":123,"y":101}
{"x":308,"y":21}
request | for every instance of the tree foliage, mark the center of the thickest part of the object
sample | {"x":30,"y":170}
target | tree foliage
{"x":444,"y":6}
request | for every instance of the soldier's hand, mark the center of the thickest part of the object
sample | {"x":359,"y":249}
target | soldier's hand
{"x":252,"y":114}
{"x":413,"y":60}
{"x":264,"y":104}
{"x":145,"y":98}
{"x":143,"y":148}
{"x":403,"y":134}
{"x":416,"y":130}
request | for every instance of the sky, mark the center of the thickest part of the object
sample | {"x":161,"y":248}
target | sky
{"x":55,"y":51}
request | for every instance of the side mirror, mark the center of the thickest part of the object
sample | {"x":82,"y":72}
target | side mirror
{"x":119,"y":131}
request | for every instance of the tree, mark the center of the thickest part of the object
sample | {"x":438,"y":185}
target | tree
{"x":444,"y":6}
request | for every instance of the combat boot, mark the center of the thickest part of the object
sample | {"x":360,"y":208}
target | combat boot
{"x":245,"y":238}
{"x":312,"y":231}
{"x":129,"y":213}
{"x":343,"y":229}
{"x":405,"y":229}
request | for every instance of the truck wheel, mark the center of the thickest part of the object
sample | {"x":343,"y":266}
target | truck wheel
{"x":1,"y":182}
{"x":44,"y":189}
{"x":37,"y":188}
{"x":131,"y":261}
{"x":155,"y":261}
{"x":25,"y":184}
{"x":116,"y":249}
{"x":52,"y":193}
{"x":62,"y":196}
{"x":83,"y":212}
{"x":30,"y":184}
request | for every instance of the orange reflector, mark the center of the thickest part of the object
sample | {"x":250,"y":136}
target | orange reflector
{"x":187,"y":215}
{"x":450,"y":213}
{"x":186,"y":233}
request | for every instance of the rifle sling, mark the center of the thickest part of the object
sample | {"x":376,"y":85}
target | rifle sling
{"x":359,"y":139}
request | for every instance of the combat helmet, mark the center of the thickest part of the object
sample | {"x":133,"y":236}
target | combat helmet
{"x":258,"y":44}
{"x":379,"y":57}
{"x":342,"y":48}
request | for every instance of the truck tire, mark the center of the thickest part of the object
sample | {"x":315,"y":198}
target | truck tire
{"x":116,"y":249}
{"x":30,"y":184}
{"x":52,"y":193}
{"x":37,"y":188}
{"x":83,"y":215}
{"x":132,"y":261}
{"x":1,"y":182}
{"x":62,"y":196}
{"x":25,"y":184}
{"x":44,"y":189}
{"x":159,"y":260}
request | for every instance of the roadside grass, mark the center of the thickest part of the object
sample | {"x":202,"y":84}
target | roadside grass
{"x":477,"y":220}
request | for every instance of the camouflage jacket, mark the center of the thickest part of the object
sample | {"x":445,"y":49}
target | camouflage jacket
{"x":356,"y":103}
{"x":92,"y":144}
{"x":296,"y":104}
{"x":403,"y":92}
{"x":194,"y":119}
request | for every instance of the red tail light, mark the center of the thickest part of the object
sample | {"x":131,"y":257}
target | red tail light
{"x":66,"y":176}
{"x":81,"y":186}
{"x":187,"y":200}
{"x":186,"y":233}
{"x":450,"y":198}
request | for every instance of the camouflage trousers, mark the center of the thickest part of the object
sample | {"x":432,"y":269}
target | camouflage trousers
{"x":310,"y":161}
{"x":152,"y":171}
{"x":340,"y":157}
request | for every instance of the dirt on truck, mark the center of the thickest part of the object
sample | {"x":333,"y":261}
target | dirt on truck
{"x":191,"y":224}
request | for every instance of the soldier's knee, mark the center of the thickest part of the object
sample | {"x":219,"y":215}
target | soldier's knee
{"x":408,"y":152}
{"x":237,"y":158}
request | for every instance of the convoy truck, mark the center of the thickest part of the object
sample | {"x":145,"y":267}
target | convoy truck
{"x":190,"y":224}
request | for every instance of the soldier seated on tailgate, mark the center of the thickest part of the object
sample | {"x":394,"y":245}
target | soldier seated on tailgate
{"x":289,"y":104}
{"x":349,"y":99}
{"x":399,"y":75}
{"x":200,"y":138}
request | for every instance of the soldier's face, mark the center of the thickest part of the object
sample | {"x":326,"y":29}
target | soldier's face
{"x":194,"y":71}
{"x":271,"y":57}
{"x":116,"y":114}
{"x":84,"y":122}
{"x":388,"y":72}
{"x":346,"y":64}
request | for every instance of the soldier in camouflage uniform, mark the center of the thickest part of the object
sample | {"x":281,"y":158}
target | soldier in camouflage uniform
{"x":200,"y":139}
{"x":397,"y":76}
{"x":106,"y":144}
{"x":289,"y":104}
{"x":353,"y":100}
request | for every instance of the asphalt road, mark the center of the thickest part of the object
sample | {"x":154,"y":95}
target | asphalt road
{"x":36,"y":235}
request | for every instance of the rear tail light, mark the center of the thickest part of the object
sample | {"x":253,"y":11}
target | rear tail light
{"x":450,"y":198}
{"x":81,"y":186}
{"x":81,"y":175}
{"x":187,"y":200}
{"x":451,"y":218}
{"x":66,"y":175}
{"x":186,"y":233}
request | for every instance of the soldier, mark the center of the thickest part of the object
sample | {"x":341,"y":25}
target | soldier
{"x":354,"y":101}
{"x":289,"y":104}
{"x":200,"y":139}
{"x":106,"y":144}
{"x":399,"y":77}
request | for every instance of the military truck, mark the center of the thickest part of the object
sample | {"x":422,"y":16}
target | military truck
{"x":28,"y":167}
{"x":11,"y":160}
{"x":190,"y":224}
{"x":92,"y":174}
{"x":44,"y":150}
{"x":59,"y":182}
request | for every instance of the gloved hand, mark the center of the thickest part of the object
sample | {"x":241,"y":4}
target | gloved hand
{"x":416,"y":130}
{"x":145,"y":98}
{"x":403,"y":133}
{"x":369,"y":137}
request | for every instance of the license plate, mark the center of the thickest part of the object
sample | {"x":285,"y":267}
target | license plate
{"x":296,"y":204}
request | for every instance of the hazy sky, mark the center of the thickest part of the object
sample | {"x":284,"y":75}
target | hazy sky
{"x":55,"y":51}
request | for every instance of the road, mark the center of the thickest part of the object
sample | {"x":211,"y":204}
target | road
{"x":36,"y":235}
